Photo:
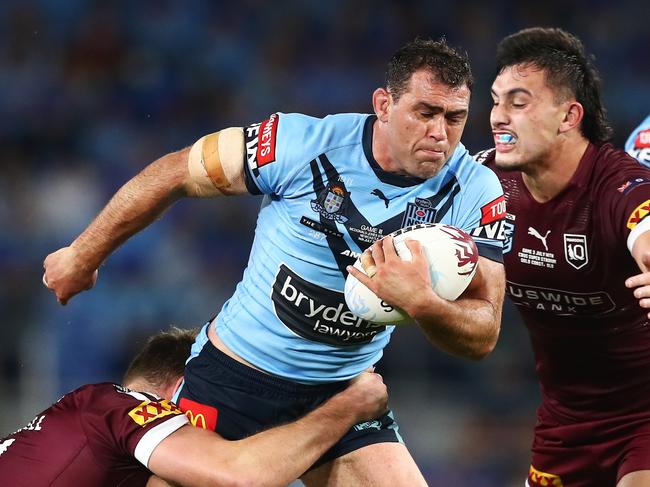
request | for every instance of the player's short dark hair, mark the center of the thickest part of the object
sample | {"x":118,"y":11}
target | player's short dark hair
{"x":450,"y":66}
{"x":162,"y":360}
{"x":568,"y":69}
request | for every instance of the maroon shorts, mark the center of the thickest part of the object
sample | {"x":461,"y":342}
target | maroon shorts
{"x":595,"y":453}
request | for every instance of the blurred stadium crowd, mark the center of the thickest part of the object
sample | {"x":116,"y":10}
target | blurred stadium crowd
{"x":91,"y":91}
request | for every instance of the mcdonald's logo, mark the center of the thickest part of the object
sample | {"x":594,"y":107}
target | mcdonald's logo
{"x":196,"y":420}
{"x":199,"y":414}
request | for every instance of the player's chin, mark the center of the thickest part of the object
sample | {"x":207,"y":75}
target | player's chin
{"x":508,"y":161}
{"x":428,"y":168}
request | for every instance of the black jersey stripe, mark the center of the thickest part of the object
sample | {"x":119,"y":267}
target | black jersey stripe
{"x":442,"y":211}
{"x":337,"y":245}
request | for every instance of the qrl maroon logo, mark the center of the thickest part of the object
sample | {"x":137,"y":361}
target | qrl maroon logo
{"x":576,"y":250}
{"x":466,"y":251}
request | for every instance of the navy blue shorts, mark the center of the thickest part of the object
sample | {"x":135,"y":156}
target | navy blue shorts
{"x":237,"y":401}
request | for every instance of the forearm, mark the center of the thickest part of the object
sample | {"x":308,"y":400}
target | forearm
{"x":303,"y":442}
{"x":466,"y":328}
{"x":136,"y":205}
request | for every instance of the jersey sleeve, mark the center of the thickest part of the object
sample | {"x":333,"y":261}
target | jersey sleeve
{"x":277,"y":150}
{"x":131,"y":422}
{"x":482,"y":213}
{"x":624,"y":202}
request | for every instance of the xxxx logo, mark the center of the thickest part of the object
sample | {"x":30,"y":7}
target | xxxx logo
{"x":537,"y":477}
{"x":639,"y":213}
{"x":149,"y":411}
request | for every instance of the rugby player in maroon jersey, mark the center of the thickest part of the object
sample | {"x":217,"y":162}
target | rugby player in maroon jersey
{"x":574,"y":234}
{"x":106,"y":435}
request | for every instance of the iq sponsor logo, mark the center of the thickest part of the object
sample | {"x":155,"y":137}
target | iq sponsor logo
{"x":317,"y":313}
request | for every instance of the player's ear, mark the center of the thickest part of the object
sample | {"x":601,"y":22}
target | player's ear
{"x":171,"y":391}
{"x":573,"y":115}
{"x":381,"y":103}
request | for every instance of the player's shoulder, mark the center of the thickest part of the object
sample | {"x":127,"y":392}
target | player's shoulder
{"x":280,"y":150}
{"x":475,"y":178}
{"x":613,"y":172}
{"x":612,"y":163}
{"x":485,"y":156}
{"x":109,"y":395}
{"x":328,"y":132}
{"x":475,"y":168}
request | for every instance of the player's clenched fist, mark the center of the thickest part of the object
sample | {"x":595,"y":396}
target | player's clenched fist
{"x":66,"y":275}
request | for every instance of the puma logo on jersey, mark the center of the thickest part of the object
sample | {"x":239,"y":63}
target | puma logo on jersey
{"x":536,"y":234}
{"x":379,"y":194}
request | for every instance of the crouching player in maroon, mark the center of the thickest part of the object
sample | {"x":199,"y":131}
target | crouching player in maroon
{"x":575,"y":232}
{"x":106,"y":435}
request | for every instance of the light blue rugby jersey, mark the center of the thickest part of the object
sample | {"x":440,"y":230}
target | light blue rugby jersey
{"x":326,"y":200}
{"x":638,"y":143}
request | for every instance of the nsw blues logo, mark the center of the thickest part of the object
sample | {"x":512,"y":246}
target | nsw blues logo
{"x":422,"y":211}
{"x":508,"y":232}
{"x":332,"y":202}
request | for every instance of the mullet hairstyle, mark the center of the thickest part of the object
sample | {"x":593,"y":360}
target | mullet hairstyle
{"x":448,"y":65}
{"x":162,"y":360}
{"x":568,"y":69}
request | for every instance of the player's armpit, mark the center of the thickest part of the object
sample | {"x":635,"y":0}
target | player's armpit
{"x":215,"y":164}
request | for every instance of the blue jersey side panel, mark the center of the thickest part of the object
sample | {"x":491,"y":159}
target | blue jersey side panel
{"x":326,"y":200}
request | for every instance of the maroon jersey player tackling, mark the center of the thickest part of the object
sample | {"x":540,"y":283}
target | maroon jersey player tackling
{"x":105,"y":435}
{"x":90,"y":438}
{"x":575,"y":232}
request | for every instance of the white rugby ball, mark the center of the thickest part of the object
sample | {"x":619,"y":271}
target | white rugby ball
{"x":453,"y":259}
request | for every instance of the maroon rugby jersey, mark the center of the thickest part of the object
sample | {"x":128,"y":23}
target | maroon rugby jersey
{"x":98,"y":435}
{"x":566,"y":262}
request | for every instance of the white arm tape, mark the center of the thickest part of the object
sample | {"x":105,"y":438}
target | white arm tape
{"x":642,"y":227}
{"x":215,"y":163}
{"x":155,"y":435}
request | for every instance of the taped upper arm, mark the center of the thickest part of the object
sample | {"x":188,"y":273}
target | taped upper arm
{"x":216,"y":164}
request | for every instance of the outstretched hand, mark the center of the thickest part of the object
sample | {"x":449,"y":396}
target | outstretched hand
{"x":66,"y":275}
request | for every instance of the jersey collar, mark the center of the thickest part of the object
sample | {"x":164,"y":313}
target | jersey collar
{"x":384,"y":176}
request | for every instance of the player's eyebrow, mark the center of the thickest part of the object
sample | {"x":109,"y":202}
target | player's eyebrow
{"x":439,"y":109}
{"x":513,"y":91}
